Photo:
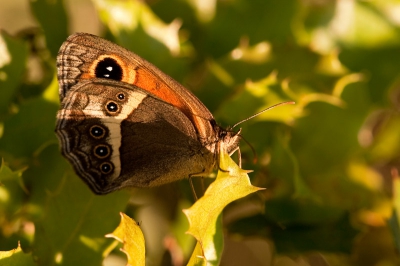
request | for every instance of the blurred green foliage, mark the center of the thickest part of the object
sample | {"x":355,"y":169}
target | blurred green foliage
{"x":329,"y":163}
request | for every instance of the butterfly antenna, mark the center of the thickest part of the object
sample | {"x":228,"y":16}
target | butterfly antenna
{"x":269,"y":108}
{"x":244,"y":120}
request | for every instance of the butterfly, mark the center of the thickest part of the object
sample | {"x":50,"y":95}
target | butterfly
{"x":125,"y":123}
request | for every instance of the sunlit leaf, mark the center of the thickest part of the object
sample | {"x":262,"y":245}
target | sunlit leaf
{"x":51,"y":92}
{"x":126,"y":16}
{"x":197,"y":258}
{"x":135,"y":27}
{"x":255,"y":97}
{"x":15,"y":257}
{"x":363,"y":26}
{"x":330,"y":64}
{"x":259,"y":53}
{"x":129,"y":234}
{"x":231,"y":184}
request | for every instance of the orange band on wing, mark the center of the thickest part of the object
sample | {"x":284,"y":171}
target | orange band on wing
{"x":147,"y":81}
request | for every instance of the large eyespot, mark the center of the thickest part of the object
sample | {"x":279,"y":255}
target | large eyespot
{"x":112,"y":107}
{"x":106,"y":168}
{"x":102,"y":151}
{"x":97,"y":132}
{"x":108,"y":68}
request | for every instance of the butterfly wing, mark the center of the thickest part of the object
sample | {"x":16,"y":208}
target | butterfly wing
{"x":84,"y":56}
{"x":117,"y":135}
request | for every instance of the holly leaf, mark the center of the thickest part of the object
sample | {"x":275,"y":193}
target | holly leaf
{"x":128,"y":232}
{"x":15,"y":257}
{"x":204,"y":216}
{"x":71,"y":227}
{"x":11,"y":195}
{"x":32,"y":126}
{"x":197,"y":258}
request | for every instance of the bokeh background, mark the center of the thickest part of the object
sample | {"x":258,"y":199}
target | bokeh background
{"x":329,"y":163}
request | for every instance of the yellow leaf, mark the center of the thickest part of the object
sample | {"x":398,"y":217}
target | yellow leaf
{"x":15,"y":257}
{"x":231,"y":184}
{"x":197,"y":258}
{"x":128,"y":232}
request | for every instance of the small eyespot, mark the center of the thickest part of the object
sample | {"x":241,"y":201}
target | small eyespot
{"x":102,"y":151}
{"x":112,"y":107}
{"x":97,"y":132}
{"x":106,"y":168}
{"x":121,"y":96}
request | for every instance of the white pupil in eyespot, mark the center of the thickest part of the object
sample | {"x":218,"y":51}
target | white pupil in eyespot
{"x":110,"y":69}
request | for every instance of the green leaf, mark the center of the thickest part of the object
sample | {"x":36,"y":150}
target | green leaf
{"x":135,"y":27}
{"x":73,"y":223}
{"x":129,"y":234}
{"x":13,"y":57}
{"x":13,"y":209}
{"x":232,"y":183}
{"x":53,"y":19}
{"x":179,"y":228}
{"x":327,"y":234}
{"x":32,"y":126}
{"x":387,"y":143}
{"x":11,"y":195}
{"x":367,"y":28}
{"x":255,"y":97}
{"x":51,"y":178}
{"x":6,"y":174}
{"x":15,"y":257}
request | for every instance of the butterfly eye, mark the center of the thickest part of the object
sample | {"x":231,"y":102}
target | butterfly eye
{"x":109,"y":68}
{"x":106,"y":168}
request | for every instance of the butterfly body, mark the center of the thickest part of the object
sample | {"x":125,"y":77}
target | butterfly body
{"x":123,"y":122}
